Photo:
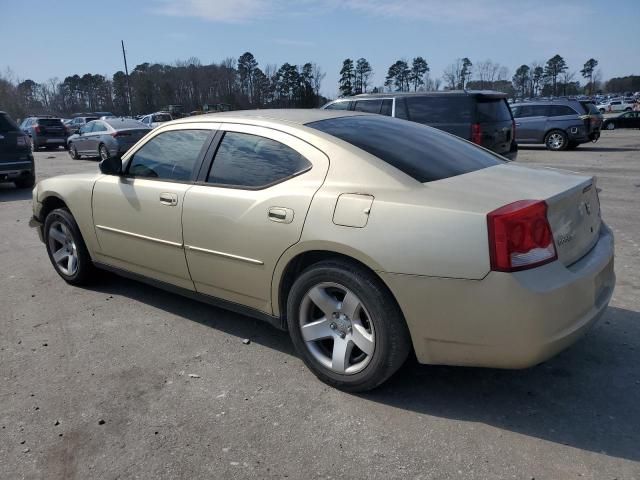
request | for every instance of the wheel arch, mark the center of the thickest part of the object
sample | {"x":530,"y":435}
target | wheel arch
{"x":300,"y":257}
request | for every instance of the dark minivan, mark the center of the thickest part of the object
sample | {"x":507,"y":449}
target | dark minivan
{"x":16,"y":159}
{"x":482,"y":117}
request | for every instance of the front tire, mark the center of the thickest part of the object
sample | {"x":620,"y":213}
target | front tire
{"x":66,"y":248}
{"x":73,"y":152}
{"x":346,"y":326}
{"x":103,"y":152}
{"x":556,"y":140}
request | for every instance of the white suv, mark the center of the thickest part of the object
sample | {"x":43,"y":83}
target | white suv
{"x":615,"y":106}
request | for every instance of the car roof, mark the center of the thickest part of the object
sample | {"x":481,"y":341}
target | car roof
{"x":439,"y":93}
{"x":290,"y":116}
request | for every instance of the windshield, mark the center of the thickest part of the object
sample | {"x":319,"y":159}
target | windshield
{"x":49,"y":122}
{"x":422,"y":152}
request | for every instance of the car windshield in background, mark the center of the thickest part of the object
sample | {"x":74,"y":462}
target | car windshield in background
{"x":162,"y":118}
{"x":424,"y":153}
{"x":7,"y":125}
{"x":493,"y":110}
{"x":435,"y":110}
{"x":49,"y":122}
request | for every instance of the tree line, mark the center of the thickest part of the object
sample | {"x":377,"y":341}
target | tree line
{"x":550,"y":78}
{"x":239,"y":83}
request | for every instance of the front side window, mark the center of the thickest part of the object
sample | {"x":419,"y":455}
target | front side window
{"x":169,"y":156}
{"x":246,"y":160}
{"x":423,"y":153}
{"x":99,"y":127}
{"x":338,"y":106}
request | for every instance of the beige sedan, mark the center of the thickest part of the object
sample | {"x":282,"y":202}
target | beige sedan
{"x":365,"y":237}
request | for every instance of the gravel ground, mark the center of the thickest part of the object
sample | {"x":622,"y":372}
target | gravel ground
{"x":96,"y":382}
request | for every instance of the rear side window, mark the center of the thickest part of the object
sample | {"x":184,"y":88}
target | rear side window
{"x":590,"y":108}
{"x":560,"y":110}
{"x":424,"y":153}
{"x":169,"y":156}
{"x":401,"y":109}
{"x":448,"y":109}
{"x":369,"y":106}
{"x":494,"y":110}
{"x":163,"y":117}
{"x":7,"y":124}
{"x":338,"y":106}
{"x":387,"y":107}
{"x":245,"y":160}
{"x":99,"y":127}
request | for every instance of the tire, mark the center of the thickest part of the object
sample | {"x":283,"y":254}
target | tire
{"x":28,"y":182}
{"x":370,"y":329}
{"x":556,"y":140}
{"x":611,"y":126}
{"x":103,"y":152}
{"x":628,"y":109}
{"x":66,"y":243}
{"x":73,"y":152}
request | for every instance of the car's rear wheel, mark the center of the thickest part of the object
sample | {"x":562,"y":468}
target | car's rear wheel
{"x":66,"y":248}
{"x":346,"y":326}
{"x":556,"y":140}
{"x":73,"y":152}
{"x":628,"y":109}
{"x":611,"y":126}
{"x":27,"y":182}
{"x":103,"y":152}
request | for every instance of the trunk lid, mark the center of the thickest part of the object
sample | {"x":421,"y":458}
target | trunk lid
{"x":572,"y":199}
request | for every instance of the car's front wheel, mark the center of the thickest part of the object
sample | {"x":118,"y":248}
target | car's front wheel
{"x":73,"y":152}
{"x":346,"y":326}
{"x":66,"y":248}
{"x":556,"y":140}
{"x":611,"y":126}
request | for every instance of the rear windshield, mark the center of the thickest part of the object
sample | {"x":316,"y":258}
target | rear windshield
{"x":447,"y":109}
{"x":7,"y":124}
{"x":424,"y":153}
{"x":493,"y":110}
{"x":49,"y":122}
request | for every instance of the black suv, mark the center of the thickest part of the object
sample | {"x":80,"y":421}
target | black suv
{"x":16,"y":159}
{"x":45,"y":131}
{"x":482,"y":117}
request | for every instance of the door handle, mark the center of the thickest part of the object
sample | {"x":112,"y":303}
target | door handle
{"x":170,"y":199}
{"x":280,"y":214}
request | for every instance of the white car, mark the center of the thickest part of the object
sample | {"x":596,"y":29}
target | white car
{"x":154,"y":120}
{"x":615,"y":106}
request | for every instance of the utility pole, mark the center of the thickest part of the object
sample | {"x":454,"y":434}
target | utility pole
{"x":126,"y":71}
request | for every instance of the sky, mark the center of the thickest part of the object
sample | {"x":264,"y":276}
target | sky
{"x":65,"y":37}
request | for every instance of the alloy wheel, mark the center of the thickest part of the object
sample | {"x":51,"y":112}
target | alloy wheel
{"x":63,"y":248}
{"x":337,"y":328}
{"x":104,"y":153}
{"x":555,"y":141}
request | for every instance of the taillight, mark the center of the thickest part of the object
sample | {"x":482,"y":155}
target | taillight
{"x":36,"y":128}
{"x":520,"y":236}
{"x":21,"y":141}
{"x":476,"y":133}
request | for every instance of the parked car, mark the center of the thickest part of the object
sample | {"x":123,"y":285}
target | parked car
{"x":481,"y":117}
{"x":106,"y":138}
{"x":156,"y":119}
{"x":74,"y":125}
{"x":615,"y":106}
{"x":625,"y":120}
{"x":16,"y":159}
{"x":44,"y":131}
{"x":366,"y":237}
{"x":558,"y":124}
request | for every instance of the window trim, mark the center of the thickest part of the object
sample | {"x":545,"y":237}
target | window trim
{"x":204,"y":174}
{"x":204,"y":150}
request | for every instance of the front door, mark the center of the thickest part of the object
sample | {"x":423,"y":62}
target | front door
{"x":137,"y":216}
{"x":531,"y":121}
{"x":250,"y":208}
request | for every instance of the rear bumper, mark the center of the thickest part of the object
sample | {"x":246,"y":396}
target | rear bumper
{"x":51,"y":141}
{"x":15,"y":170}
{"x":506,"y":320}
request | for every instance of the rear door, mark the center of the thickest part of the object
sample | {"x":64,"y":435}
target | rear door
{"x":247,"y":210}
{"x":496,"y":123}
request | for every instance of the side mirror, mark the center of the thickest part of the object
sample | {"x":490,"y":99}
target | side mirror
{"x":111,"y":166}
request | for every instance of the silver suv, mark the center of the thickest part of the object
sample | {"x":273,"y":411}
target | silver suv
{"x":558,"y":124}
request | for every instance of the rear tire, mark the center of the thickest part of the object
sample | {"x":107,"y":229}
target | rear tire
{"x":556,"y":140}
{"x":66,"y":248}
{"x":359,"y":338}
{"x":103,"y":152}
{"x":611,"y":126}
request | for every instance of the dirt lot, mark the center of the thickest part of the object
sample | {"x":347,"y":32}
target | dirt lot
{"x":95,"y":382}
